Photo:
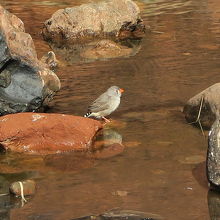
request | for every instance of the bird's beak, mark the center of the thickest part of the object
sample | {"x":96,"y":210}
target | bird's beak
{"x":121,"y":90}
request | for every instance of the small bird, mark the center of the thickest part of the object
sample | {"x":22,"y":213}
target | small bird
{"x":105,"y":104}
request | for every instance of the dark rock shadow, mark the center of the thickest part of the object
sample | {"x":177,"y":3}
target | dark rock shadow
{"x":199,"y":172}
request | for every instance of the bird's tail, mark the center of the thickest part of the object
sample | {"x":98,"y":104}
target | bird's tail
{"x":87,"y":114}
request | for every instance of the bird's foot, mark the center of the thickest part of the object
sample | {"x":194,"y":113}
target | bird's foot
{"x":106,"y":120}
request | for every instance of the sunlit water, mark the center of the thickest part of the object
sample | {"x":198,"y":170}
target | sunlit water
{"x":162,"y":168}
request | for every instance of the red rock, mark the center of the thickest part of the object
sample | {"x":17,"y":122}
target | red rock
{"x":41,"y":133}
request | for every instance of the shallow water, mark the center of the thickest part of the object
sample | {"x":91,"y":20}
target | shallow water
{"x":162,"y":167}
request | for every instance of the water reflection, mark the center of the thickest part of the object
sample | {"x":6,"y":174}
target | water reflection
{"x":96,"y":50}
{"x":107,"y":144}
{"x":214,"y":204}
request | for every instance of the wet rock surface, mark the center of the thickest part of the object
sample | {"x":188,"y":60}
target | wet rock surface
{"x":107,"y":18}
{"x":25,"y":83}
{"x":209,"y":102}
{"x":46,"y":133}
{"x":29,"y":187}
{"x":213,"y":155}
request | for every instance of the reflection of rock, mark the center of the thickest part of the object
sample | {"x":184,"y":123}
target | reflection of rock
{"x":110,"y":150}
{"x":210,"y":99}
{"x":46,"y":133}
{"x":195,"y":159}
{"x":199,"y":173}
{"x":214,"y":205}
{"x":25,"y":82}
{"x":117,"y":214}
{"x":97,"y":50}
{"x":69,"y":162}
{"x":213,"y":155}
{"x":106,"y":49}
{"x":106,"y":18}
{"x":108,"y":144}
{"x":50,"y":60}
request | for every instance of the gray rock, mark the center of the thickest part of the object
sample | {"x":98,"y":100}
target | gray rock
{"x":107,"y":18}
{"x":213,"y":155}
{"x":25,"y":82}
{"x":210,"y":99}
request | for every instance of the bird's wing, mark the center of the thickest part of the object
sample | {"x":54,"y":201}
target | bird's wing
{"x":100,"y":104}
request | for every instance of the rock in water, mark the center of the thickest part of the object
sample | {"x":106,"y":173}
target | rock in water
{"x":117,"y":214}
{"x":50,"y":60}
{"x":25,"y":82}
{"x":209,"y":101}
{"x":35,"y":133}
{"x":29,"y":187}
{"x":213,"y":155}
{"x":106,"y":18}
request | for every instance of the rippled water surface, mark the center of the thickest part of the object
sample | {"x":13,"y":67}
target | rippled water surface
{"x":162,"y":168}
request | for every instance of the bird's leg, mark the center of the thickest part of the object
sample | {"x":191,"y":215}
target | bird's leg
{"x":105,"y":119}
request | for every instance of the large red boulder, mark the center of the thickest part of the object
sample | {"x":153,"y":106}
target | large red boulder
{"x":41,"y":133}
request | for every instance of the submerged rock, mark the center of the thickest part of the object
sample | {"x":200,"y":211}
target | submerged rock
{"x":107,"y":18}
{"x":25,"y":83}
{"x":29,"y":187}
{"x":209,"y":101}
{"x":46,"y":133}
{"x":213,"y":155}
{"x":117,"y":214}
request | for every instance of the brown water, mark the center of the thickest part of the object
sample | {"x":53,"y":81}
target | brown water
{"x":162,"y":168}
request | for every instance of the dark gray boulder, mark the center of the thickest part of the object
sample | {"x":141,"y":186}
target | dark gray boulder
{"x":209,"y":102}
{"x":110,"y":18}
{"x":25,"y":82}
{"x":213,"y":155}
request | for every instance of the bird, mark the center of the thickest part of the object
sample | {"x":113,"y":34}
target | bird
{"x":105,"y":104}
